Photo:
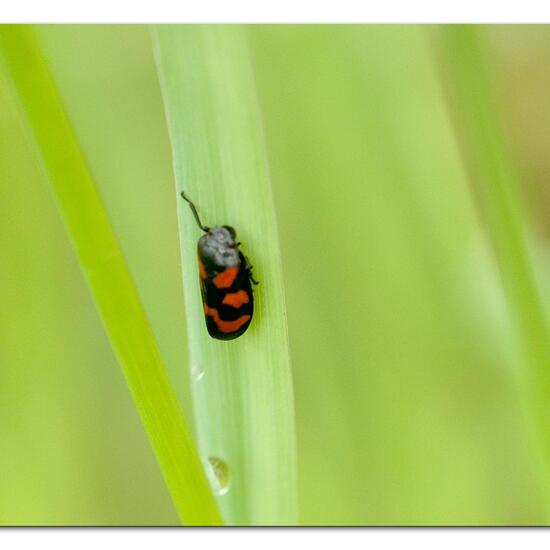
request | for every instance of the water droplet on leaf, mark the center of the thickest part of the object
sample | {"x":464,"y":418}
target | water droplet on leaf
{"x":219,"y":475}
{"x":197,"y":370}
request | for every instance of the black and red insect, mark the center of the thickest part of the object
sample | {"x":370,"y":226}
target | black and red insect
{"x":225,"y":279}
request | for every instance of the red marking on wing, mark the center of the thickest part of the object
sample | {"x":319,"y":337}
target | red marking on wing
{"x":236,"y":299}
{"x":226,"y":278}
{"x":225,"y":326}
{"x":202,"y":271}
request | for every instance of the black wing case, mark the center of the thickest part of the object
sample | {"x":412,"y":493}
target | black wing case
{"x":228,"y":301}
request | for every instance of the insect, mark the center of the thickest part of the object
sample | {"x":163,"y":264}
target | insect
{"x":225,"y":279}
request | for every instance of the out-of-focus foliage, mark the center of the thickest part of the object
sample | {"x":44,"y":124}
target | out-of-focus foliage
{"x":73,"y":449}
{"x":404,"y":363}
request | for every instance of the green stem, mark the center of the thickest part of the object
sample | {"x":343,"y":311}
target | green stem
{"x":242,"y":389}
{"x":105,"y":269}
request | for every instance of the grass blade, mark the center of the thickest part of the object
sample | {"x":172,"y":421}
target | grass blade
{"x":105,"y":269}
{"x":504,"y":211}
{"x":242,"y":389}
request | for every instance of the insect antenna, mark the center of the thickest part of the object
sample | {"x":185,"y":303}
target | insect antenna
{"x":195,"y":213}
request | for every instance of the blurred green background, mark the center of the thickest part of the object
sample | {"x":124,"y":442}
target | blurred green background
{"x":407,"y":383}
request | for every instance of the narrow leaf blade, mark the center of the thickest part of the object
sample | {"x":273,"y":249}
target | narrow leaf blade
{"x":242,"y":388}
{"x":105,"y":269}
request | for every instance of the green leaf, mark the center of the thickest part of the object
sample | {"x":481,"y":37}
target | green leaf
{"x":242,"y":388}
{"x":107,"y":274}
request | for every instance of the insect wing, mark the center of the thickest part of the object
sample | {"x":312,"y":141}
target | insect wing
{"x":227,"y":299}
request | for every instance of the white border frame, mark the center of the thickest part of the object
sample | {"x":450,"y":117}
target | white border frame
{"x":282,"y":11}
